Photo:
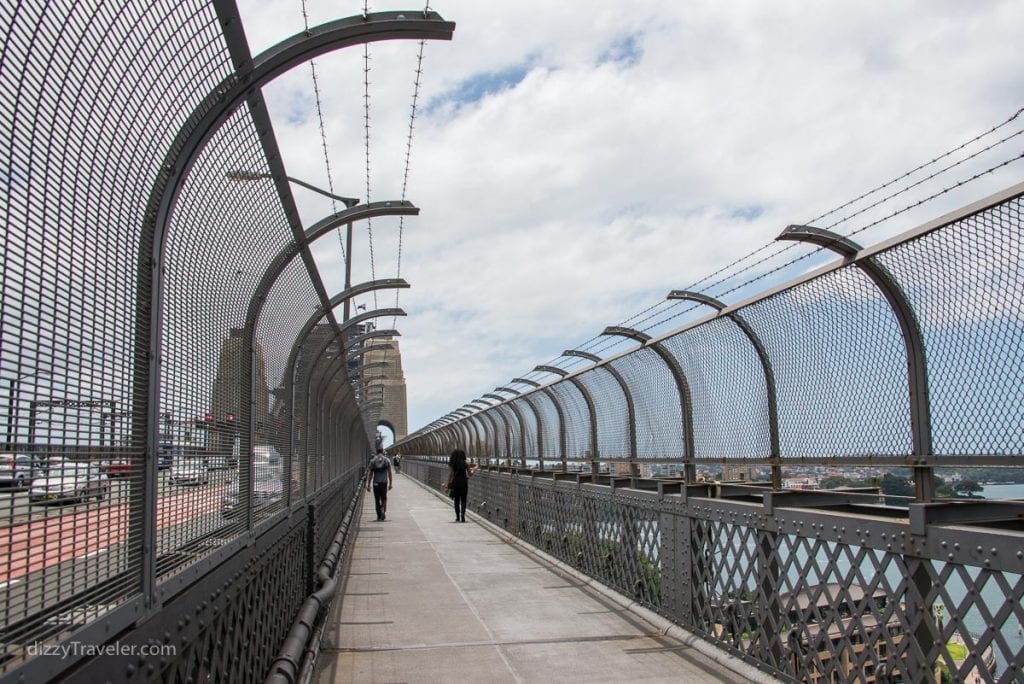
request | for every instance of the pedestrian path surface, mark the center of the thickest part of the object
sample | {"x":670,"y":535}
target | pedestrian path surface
{"x":431,"y":600}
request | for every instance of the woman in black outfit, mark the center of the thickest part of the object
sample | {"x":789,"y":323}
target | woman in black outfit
{"x":457,"y":484}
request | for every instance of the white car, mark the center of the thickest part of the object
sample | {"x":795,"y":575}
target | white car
{"x":265,"y":454}
{"x":19,"y":469}
{"x":70,"y":481}
{"x":217,"y":463}
{"x":189,"y":471}
{"x":267,"y":488}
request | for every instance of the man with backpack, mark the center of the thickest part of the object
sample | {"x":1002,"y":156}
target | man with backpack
{"x":380,"y":477}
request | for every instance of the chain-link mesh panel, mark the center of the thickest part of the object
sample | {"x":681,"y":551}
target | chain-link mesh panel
{"x":964,"y":283}
{"x":529,"y":422}
{"x":513,"y":431}
{"x":496,"y":434}
{"x":840,"y":367}
{"x":478,"y":434}
{"x":656,"y":402}
{"x":727,"y":386}
{"x":548,"y":425}
{"x":86,"y":123}
{"x":577,"y":428}
{"x":613,"y":426}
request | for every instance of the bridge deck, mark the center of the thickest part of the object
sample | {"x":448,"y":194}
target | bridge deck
{"x":430,"y":600}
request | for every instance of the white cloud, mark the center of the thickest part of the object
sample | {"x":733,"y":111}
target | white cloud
{"x":579,"y":190}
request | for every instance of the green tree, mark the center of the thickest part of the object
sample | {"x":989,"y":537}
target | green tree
{"x":897,"y":486}
{"x":968,"y":489}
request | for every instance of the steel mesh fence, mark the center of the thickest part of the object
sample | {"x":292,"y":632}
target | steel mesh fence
{"x":812,"y":594}
{"x":86,"y":124}
{"x":905,"y":354}
{"x":613,"y":414}
{"x":549,"y":425}
{"x":965,"y":285}
{"x":840,"y":368}
{"x":138,"y":218}
{"x":657,"y":405}
{"x":530,"y":428}
{"x":577,"y":424}
{"x":727,"y":388}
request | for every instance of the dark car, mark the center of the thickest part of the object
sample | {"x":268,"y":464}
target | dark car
{"x":168,"y":454}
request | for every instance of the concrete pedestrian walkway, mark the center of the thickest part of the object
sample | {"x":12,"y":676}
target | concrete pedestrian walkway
{"x":431,"y":600}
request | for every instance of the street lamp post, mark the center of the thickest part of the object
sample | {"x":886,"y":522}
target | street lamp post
{"x":349,"y":202}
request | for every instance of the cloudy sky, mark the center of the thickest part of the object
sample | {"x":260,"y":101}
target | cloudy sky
{"x":576,"y":161}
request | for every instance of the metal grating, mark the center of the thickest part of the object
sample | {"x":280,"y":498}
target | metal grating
{"x":965,"y":285}
{"x":578,"y":443}
{"x":840,"y":367}
{"x":656,"y":401}
{"x":613,"y":426}
{"x":139,"y":222}
{"x":727,"y":388}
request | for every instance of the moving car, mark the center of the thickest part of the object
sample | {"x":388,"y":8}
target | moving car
{"x":19,"y":469}
{"x":189,"y":471}
{"x":266,"y":489}
{"x":70,"y":481}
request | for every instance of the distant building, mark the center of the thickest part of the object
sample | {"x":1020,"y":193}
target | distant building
{"x":383,"y":370}
{"x":840,"y":651}
{"x":226,"y":404}
{"x":737,"y":473}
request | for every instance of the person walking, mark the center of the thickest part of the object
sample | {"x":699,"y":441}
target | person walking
{"x":457,"y":484}
{"x":380,"y":476}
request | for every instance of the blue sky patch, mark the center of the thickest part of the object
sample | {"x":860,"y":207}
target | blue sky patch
{"x":300,"y":108}
{"x":479,"y":86}
{"x":625,"y":51}
{"x":747,"y":213}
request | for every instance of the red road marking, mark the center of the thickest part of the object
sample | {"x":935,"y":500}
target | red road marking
{"x":39,"y":544}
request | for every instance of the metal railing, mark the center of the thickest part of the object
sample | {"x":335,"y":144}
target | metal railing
{"x":909,"y":354}
{"x":815,"y":586}
{"x":906,"y":354}
{"x":179,"y":419}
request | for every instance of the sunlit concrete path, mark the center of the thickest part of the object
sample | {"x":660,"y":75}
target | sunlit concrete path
{"x":431,"y":600}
